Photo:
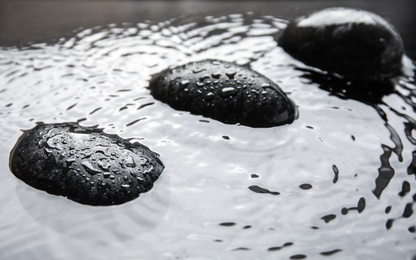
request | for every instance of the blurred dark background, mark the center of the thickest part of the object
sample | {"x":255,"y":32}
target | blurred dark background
{"x":26,"y":21}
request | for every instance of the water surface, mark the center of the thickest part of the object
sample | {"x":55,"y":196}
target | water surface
{"x":337,"y":183}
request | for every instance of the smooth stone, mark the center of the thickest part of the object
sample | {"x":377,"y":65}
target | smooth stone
{"x":84,"y":164}
{"x":355,"y":44}
{"x":224,"y":91}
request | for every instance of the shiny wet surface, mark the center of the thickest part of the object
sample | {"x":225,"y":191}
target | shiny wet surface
{"x":339,"y":182}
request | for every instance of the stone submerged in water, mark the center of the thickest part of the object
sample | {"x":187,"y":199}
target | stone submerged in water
{"x":356,"y":44}
{"x":224,"y":91}
{"x":84,"y":164}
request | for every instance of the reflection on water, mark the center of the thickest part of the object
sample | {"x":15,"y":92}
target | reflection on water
{"x":339,"y":182}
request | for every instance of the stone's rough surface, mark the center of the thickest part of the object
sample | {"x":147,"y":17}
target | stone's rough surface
{"x":353,"y":43}
{"x":84,"y":164}
{"x":224,"y":91}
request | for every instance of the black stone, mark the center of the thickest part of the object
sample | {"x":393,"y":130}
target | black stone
{"x":355,"y":44}
{"x":84,"y":164}
{"x":226,"y":92}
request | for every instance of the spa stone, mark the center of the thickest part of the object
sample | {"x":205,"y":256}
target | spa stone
{"x":224,"y":91}
{"x":355,"y":44}
{"x":84,"y":164}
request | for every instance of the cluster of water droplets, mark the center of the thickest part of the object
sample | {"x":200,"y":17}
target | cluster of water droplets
{"x":94,"y":154}
{"x":339,"y":181}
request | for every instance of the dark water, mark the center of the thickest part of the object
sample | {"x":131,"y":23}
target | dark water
{"x":337,"y":183}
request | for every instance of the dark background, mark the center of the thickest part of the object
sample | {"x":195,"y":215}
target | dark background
{"x":25,"y":21}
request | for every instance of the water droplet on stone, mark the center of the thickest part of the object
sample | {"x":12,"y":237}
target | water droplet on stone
{"x":216,"y":74}
{"x":231,"y":74}
{"x":199,"y":84}
{"x":198,"y":70}
{"x":89,"y":167}
{"x":228,"y":91}
{"x":203,"y":77}
{"x":184,"y":83}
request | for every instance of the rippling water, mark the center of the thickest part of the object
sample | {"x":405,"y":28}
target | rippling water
{"x":337,"y":183}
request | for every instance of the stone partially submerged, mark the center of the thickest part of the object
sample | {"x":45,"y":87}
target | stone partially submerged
{"x":224,"y":91}
{"x":84,"y":164}
{"x":355,"y":44}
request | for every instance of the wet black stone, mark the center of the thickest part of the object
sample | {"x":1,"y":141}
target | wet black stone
{"x":226,"y":92}
{"x":353,"y":43}
{"x":84,"y":164}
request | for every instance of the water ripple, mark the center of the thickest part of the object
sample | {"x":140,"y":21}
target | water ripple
{"x":339,"y":182}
